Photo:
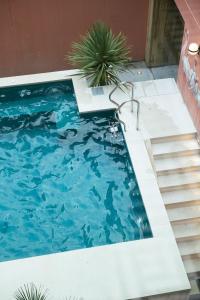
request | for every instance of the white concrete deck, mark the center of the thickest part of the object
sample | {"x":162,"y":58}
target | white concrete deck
{"x":162,"y":109}
{"x":126,"y":270}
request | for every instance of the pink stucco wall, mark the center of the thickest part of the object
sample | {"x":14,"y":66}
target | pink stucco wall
{"x":35,"y":35}
{"x":190,"y":10}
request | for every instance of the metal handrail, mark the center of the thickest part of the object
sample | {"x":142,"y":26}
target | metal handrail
{"x":119,"y":106}
{"x":124,"y":83}
{"x":138,"y":111}
{"x":120,"y":121}
{"x":111,"y":100}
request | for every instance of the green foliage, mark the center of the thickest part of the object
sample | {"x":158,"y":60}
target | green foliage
{"x":100,"y":55}
{"x":30,"y":292}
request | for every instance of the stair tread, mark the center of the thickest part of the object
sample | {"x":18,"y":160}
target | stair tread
{"x":189,"y":247}
{"x":186,"y":136}
{"x":169,"y":163}
{"x":175,"y":146}
{"x":183,"y":213}
{"x":181,"y":195}
{"x":192,"y":265}
{"x":186,"y":230}
{"x":178,"y":179}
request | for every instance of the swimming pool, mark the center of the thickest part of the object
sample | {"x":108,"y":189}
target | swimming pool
{"x":65,"y":181}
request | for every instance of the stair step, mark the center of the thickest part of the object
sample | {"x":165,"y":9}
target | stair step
{"x":192,"y":255}
{"x":180,"y":187}
{"x":181,"y":196}
{"x":178,"y":179}
{"x":183,"y":204}
{"x":195,"y":290}
{"x":175,"y":146}
{"x":169,"y":163}
{"x":164,"y":139}
{"x":191,"y":247}
{"x":188,"y":238}
{"x":192,"y":265}
{"x":186,"y":231}
{"x":188,"y":152}
{"x":183,"y":213}
{"x":185,"y":221}
{"x":178,"y":170}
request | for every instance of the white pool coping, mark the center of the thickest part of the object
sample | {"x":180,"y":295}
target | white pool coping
{"x":125,"y":270}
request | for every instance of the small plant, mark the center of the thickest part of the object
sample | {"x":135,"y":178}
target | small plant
{"x":100,"y":55}
{"x":30,"y":292}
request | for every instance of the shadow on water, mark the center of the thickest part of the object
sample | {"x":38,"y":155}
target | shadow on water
{"x":43,"y":120}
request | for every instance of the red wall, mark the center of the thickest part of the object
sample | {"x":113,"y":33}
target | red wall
{"x":36,"y":34}
{"x":190,"y":10}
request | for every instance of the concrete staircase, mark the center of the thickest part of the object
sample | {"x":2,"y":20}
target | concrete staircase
{"x":176,"y":161}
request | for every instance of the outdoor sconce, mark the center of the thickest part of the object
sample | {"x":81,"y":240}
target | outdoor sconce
{"x":193,"y":49}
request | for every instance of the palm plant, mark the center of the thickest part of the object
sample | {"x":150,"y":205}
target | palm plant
{"x":100,"y":55}
{"x":30,"y":292}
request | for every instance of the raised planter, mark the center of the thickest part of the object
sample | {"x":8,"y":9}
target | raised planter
{"x":97,"y":90}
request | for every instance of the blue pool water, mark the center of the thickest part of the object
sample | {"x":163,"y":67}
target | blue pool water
{"x":65,"y":182}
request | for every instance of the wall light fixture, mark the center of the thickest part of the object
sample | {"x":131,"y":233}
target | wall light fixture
{"x":193,"y":49}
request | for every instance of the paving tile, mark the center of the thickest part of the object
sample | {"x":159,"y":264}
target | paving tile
{"x":165,"y":87}
{"x":149,"y":88}
{"x":165,"y":72}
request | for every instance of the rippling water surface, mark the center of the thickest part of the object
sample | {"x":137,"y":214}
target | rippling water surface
{"x":65,"y":182}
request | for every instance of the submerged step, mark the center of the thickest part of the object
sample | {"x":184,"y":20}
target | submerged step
{"x":184,"y":213}
{"x":169,"y":163}
{"x":175,"y":146}
{"x":178,"y":179}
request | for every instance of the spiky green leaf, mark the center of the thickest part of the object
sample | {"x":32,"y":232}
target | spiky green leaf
{"x":30,"y":292}
{"x":100,"y":55}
